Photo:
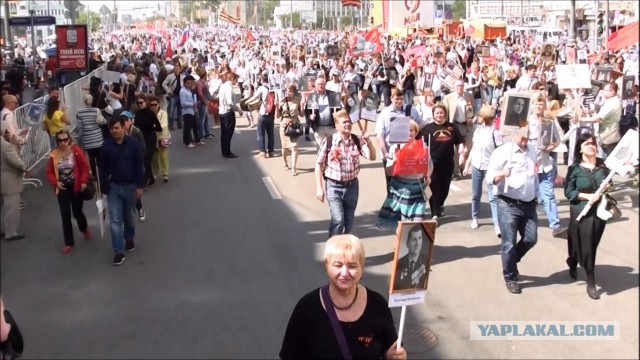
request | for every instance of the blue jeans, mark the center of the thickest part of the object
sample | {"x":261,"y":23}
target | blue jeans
{"x":516,"y":219}
{"x":122,"y":203}
{"x":409,"y":95}
{"x":547,"y":197}
{"x":477,"y":179}
{"x":265,"y":124}
{"x":203,"y":120}
{"x":174,"y":111}
{"x":342,"y":200}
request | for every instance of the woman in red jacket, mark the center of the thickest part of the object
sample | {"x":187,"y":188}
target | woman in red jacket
{"x":68,"y":173}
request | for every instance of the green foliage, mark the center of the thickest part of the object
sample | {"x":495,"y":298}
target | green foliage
{"x":295,"y":17}
{"x":94,"y":22}
{"x":459,"y":9}
{"x":345,"y":21}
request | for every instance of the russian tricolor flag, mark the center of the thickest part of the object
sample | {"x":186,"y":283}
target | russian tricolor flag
{"x":185,"y":36}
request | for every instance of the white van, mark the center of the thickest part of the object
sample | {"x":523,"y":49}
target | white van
{"x":549,"y":35}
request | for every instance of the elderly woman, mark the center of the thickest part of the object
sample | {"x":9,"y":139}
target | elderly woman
{"x":289,"y":113}
{"x":485,"y":139}
{"x":89,"y":121}
{"x":360,"y":313}
{"x":406,"y":196}
{"x":68,"y":173}
{"x":584,"y":177}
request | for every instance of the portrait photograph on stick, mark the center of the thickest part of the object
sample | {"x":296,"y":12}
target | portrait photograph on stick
{"x":627,"y":87}
{"x":454,"y":69}
{"x":428,"y":80}
{"x":546,"y":133}
{"x":516,"y":113}
{"x":548,"y":53}
{"x":371,"y":102}
{"x":412,"y":258}
{"x":353,"y":107}
{"x":483,"y":50}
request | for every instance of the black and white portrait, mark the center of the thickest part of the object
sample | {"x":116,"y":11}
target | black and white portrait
{"x":335,"y":100}
{"x":312,"y":101}
{"x":546,"y":133}
{"x":370,"y":103}
{"x":276,"y":52}
{"x":353,"y":105}
{"x":517,"y":111}
{"x":627,"y":87}
{"x":332,"y":51}
{"x":412,"y":259}
{"x":548,"y":53}
{"x":603,"y":73}
{"x":596,"y":86}
{"x":454,"y":69}
{"x":428,"y":80}
{"x":483,"y":51}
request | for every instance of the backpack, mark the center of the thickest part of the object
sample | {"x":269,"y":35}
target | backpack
{"x":354,"y":138}
{"x":269,"y":103}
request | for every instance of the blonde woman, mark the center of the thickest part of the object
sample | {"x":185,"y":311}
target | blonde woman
{"x":161,"y":157}
{"x":289,"y":113}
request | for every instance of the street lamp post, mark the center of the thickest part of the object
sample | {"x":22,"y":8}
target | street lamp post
{"x":572,"y":24}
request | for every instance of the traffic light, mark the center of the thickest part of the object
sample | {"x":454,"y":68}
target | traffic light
{"x":600,"y":23}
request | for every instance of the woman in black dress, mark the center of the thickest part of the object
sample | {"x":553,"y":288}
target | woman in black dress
{"x":362,"y":314}
{"x":584,"y":177}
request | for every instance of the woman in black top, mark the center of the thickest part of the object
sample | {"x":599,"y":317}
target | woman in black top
{"x":363,"y":315}
{"x":408,"y":81}
{"x":511,"y":79}
{"x":442,"y":137}
{"x":147,"y":121}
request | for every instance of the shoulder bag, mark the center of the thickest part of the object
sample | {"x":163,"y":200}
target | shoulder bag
{"x":335,"y":324}
{"x":293,"y":130}
{"x":611,"y":135}
{"x":607,"y":208}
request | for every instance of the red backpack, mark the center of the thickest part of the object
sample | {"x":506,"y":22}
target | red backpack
{"x":269,"y":103}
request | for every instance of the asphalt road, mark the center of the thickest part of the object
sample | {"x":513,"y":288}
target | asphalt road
{"x":221,"y":261}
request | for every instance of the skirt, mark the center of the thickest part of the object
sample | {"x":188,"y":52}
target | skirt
{"x":405,"y":202}
{"x":584,"y":237}
{"x":285,"y":141}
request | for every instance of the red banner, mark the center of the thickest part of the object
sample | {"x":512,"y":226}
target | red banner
{"x":72,"y":51}
{"x":366,"y":43}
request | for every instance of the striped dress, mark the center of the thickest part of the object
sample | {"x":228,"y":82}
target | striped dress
{"x":91,"y":133}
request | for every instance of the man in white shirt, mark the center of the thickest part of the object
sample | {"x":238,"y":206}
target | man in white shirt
{"x":227,"y":114}
{"x":265,"y":118}
{"x":525,"y":81}
{"x":335,"y":84}
{"x":9,"y":125}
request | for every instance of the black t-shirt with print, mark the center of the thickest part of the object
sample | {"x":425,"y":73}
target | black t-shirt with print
{"x":443,"y":139}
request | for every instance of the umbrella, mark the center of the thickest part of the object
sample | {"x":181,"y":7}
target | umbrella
{"x":625,"y":37}
{"x":50,"y":51}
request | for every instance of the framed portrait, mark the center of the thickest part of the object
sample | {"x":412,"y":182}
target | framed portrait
{"x":428,"y":80}
{"x":274,"y":82}
{"x":515,"y":113}
{"x":627,"y":87}
{"x":596,"y":86}
{"x":625,"y":154}
{"x":312,"y":101}
{"x":293,"y":56}
{"x":483,"y":51}
{"x":335,"y":100}
{"x":448,"y":80}
{"x":603,"y":73}
{"x":412,"y":257}
{"x":353,"y":105}
{"x":546,"y":133}
{"x":454,"y":69}
{"x":548,"y":53}
{"x":369,"y":105}
{"x":308,"y":51}
{"x":392,"y":75}
{"x":306,"y":84}
{"x":35,"y":114}
{"x":276,"y":52}
{"x":332,"y":51}
{"x":399,"y":130}
{"x":438,"y":49}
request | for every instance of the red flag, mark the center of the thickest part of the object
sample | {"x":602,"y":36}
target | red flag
{"x":249,"y":36}
{"x":153,"y":44}
{"x":168,"y":53}
{"x":366,"y":43}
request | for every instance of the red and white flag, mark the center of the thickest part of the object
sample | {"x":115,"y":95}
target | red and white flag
{"x":366,"y":43}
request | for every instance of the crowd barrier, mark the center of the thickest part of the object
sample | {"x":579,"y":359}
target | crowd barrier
{"x":37,"y":146}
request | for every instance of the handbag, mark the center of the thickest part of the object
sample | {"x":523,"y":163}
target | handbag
{"x":608,"y":208}
{"x":100,"y":120}
{"x":333,"y":318}
{"x":611,"y":135}
{"x":109,"y":109}
{"x":293,"y":130}
{"x":165,"y":143}
{"x":89,"y":192}
{"x":13,"y":347}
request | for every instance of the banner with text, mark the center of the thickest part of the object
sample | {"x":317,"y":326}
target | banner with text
{"x":72,"y":47}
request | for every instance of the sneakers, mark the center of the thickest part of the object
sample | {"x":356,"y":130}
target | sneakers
{"x":261,"y":155}
{"x":201,"y":142}
{"x":474,"y":224}
{"x":118,"y":259}
{"x":191,"y":146}
{"x":559,"y":231}
{"x":165,"y":179}
{"x":129,"y":245}
{"x":87,"y":234}
{"x":209,"y":136}
{"x":67,"y":249}
{"x":142,"y":215}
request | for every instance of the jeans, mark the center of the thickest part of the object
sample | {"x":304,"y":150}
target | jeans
{"x":477,"y":104}
{"x":477,"y":179}
{"x":265,"y":124}
{"x":122,"y":202}
{"x":547,"y":197}
{"x":203,"y":120}
{"x":516,"y":219}
{"x":227,"y":127}
{"x":174,"y":111}
{"x":70,"y":203}
{"x":385,"y":95}
{"x":342,"y":200}
{"x":190,"y":125}
{"x":409,"y":96}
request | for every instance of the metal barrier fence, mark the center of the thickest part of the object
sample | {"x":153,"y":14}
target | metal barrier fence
{"x":38,"y":146}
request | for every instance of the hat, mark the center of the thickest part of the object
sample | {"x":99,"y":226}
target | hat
{"x":126,"y":114}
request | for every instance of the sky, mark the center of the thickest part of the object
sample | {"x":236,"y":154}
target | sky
{"x":126,"y":7}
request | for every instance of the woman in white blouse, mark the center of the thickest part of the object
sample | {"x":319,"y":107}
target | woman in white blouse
{"x":485,"y":140}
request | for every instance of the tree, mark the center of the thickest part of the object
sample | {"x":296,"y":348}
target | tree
{"x":459,"y":9}
{"x":94,"y":20}
{"x":345,"y":21}
{"x":295,"y":17}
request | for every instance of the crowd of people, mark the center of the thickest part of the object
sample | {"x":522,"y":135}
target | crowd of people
{"x":453,"y":100}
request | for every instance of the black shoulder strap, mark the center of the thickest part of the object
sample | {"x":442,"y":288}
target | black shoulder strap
{"x":355,"y":139}
{"x":327,"y":150}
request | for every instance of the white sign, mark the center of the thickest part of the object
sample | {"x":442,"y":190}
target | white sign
{"x":574,"y":76}
{"x":625,"y":155}
{"x":411,"y":12}
{"x":309,"y":16}
{"x":406,"y":299}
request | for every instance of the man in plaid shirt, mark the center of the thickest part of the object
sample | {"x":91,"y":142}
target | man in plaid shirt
{"x":338,"y":162}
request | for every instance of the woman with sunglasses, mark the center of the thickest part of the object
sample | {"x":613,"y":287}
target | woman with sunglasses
{"x":147,"y":121}
{"x":161,"y":157}
{"x":68,"y":172}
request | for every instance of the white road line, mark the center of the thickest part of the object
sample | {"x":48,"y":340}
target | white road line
{"x":454,"y":188}
{"x":271,"y":187}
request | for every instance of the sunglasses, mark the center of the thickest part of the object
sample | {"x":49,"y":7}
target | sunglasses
{"x":62,"y":140}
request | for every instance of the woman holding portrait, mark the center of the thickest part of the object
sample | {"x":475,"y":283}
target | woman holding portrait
{"x":584,"y":177}
{"x":361,"y":316}
{"x":406,"y":198}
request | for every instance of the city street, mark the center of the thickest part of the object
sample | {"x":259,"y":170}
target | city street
{"x":230,"y":245}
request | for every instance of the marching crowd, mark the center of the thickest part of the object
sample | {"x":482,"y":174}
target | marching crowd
{"x":453,"y":101}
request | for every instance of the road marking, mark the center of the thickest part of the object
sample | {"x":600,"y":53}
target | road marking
{"x":271,"y":187}
{"x":454,"y":188}
{"x":236,"y":131}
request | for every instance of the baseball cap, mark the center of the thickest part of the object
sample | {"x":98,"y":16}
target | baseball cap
{"x":126,"y":114}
